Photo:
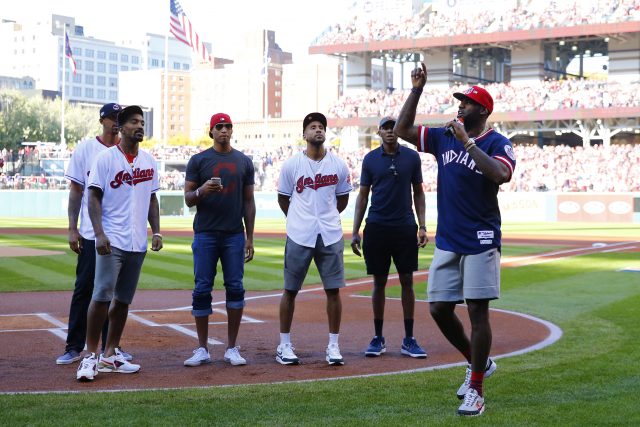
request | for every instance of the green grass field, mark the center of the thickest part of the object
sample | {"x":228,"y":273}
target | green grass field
{"x":590,"y":377}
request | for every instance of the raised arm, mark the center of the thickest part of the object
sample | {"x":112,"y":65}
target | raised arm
{"x":405,"y":127}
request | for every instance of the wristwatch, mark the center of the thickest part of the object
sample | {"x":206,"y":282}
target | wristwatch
{"x":197,"y":192}
{"x":423,"y":227}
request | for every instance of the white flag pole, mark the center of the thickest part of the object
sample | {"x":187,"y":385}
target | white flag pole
{"x":64,"y":61}
{"x":165,"y":110}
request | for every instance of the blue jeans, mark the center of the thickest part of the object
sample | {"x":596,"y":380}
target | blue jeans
{"x":208,"y":248}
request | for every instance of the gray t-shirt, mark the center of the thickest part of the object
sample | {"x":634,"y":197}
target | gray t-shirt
{"x":221,"y":211}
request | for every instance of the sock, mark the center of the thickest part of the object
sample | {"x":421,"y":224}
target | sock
{"x":333,"y":338}
{"x":476,"y":381}
{"x":285,"y":338}
{"x":467,"y":355}
{"x":408,"y":328}
{"x":377,"y":324}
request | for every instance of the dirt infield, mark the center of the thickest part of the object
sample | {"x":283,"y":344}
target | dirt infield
{"x":161,"y":335}
{"x":31,"y":342}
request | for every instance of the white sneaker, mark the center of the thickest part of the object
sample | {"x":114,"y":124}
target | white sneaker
{"x":200,"y":357}
{"x":117,"y":363}
{"x":285,"y":355}
{"x":472,"y":405}
{"x":333,"y":355}
{"x":232,"y":355}
{"x":88,"y":368}
{"x":490,"y":369}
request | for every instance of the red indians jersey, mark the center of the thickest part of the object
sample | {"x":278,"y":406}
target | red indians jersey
{"x":313,"y":187}
{"x":78,"y":172}
{"x":126,"y":195}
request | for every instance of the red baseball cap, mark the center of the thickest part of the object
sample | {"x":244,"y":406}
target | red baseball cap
{"x":219,"y":118}
{"x":477,"y":94}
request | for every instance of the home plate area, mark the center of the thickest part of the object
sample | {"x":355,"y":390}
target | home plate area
{"x":160,"y":334}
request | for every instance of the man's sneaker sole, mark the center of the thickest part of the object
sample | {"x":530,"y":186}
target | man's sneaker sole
{"x":86,"y":378}
{"x":109,"y":369}
{"x":335,"y":362}
{"x":375,"y":353}
{"x":235,"y":362}
{"x":471,"y":413}
{"x":416,"y":356}
{"x":283,"y":361}
{"x":198,"y":363}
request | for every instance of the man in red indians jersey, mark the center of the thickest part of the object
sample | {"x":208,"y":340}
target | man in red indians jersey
{"x":473,"y":160}
{"x":122,"y":186}
{"x":82,"y":241}
{"x":312,"y":191}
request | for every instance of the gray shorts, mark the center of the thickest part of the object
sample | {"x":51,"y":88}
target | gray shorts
{"x":328,"y":259}
{"x":455,"y":277}
{"x":117,"y":275}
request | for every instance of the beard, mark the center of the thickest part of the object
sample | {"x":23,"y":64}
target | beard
{"x":317,"y":141}
{"x":472,"y":120}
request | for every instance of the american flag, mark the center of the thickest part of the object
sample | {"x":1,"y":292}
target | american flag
{"x":68,"y":53}
{"x":181,"y":28}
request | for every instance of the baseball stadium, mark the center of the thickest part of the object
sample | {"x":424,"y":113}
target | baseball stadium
{"x":564,"y":80}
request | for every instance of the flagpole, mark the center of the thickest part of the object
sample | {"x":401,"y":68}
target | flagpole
{"x":165,"y":111}
{"x":266,"y":88}
{"x":64,"y":60}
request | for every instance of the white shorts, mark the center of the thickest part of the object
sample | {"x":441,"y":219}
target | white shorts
{"x":456,"y":277}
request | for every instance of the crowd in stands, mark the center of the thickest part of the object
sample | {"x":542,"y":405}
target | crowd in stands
{"x":547,"y":95}
{"x":557,"y":168}
{"x":529,"y":15}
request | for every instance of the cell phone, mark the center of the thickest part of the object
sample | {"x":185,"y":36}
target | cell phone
{"x":216,"y":180}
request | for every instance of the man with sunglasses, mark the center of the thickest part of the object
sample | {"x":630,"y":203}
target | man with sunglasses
{"x":390,"y":172}
{"x":82,"y":241}
{"x":220,"y":182}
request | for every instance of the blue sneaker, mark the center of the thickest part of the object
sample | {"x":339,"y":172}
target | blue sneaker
{"x":411,"y":348}
{"x":376,"y":347}
{"x":68,"y":357}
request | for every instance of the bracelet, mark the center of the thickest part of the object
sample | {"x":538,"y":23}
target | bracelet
{"x":197,"y":192}
{"x":469,"y":144}
{"x":157,"y":234}
{"x":423,"y":227}
{"x":417,"y":90}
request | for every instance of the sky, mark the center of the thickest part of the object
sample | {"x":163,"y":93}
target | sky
{"x":222,"y":23}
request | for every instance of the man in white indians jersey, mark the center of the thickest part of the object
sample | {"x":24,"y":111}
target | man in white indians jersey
{"x":82,"y":241}
{"x":312,"y":191}
{"x":122,"y":186}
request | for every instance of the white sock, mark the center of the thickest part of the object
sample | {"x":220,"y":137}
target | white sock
{"x":333,"y":338}
{"x":285,"y":338}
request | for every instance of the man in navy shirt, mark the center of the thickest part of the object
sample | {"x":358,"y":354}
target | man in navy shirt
{"x":473,"y":161}
{"x":390,"y":172}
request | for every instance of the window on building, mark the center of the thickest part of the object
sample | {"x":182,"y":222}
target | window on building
{"x":155,"y":62}
{"x":76,"y":91}
{"x":113,"y":56}
{"x":88,"y":92}
{"x":176,"y":65}
{"x":88,"y":79}
{"x":113,"y":82}
{"x":124,"y":68}
{"x":88,"y":65}
{"x":88,"y":53}
{"x":78,"y":64}
{"x":124,"y":57}
{"x":135,"y":59}
{"x":102,"y":54}
{"x":101,"y":94}
{"x":277,"y":94}
{"x":77,"y":78}
{"x":102,"y":67}
{"x":101,"y":80}
{"x":185,"y":67}
{"x":134,"y":68}
{"x":77,"y":51}
{"x":113,"y":95}
{"x":113,"y":69}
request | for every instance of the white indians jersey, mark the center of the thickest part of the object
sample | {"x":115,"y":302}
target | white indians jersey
{"x":126,"y":195}
{"x":313,"y":187}
{"x":78,"y":172}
